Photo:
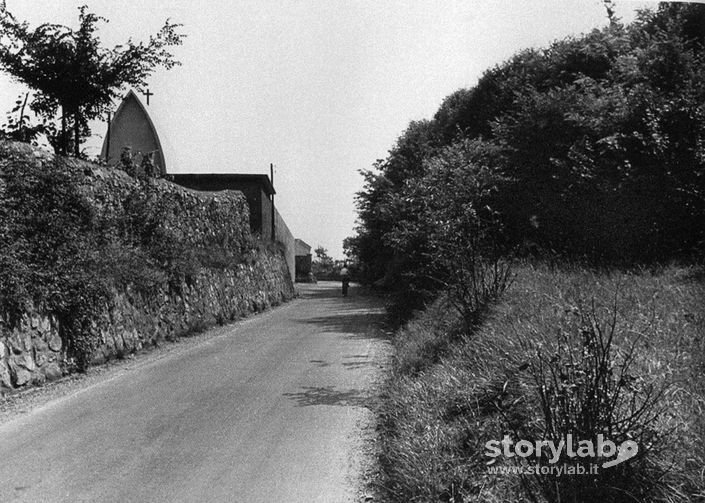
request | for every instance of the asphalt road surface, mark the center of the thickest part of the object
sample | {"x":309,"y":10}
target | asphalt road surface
{"x":269,"y":409}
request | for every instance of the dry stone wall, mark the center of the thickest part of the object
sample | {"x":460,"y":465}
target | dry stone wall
{"x":31,"y":352}
{"x":34,"y":346}
{"x":216,"y":297}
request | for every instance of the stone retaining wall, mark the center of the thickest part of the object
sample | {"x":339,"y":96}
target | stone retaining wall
{"x":216,"y":297}
{"x":33,"y":347}
{"x":33,"y":352}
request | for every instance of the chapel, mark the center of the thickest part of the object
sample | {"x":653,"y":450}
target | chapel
{"x":132,"y":127}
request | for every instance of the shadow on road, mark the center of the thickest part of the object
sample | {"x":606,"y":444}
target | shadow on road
{"x":360,"y":325}
{"x":332,"y":290}
{"x":357,"y":315}
{"x":357,"y":361}
{"x":327,"y":395}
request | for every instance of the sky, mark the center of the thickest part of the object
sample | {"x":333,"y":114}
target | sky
{"x":319,"y":88}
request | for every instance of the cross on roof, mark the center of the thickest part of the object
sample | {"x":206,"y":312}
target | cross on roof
{"x":148,"y":93}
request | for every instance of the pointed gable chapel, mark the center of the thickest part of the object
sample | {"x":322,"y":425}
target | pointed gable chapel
{"x":133,"y":127}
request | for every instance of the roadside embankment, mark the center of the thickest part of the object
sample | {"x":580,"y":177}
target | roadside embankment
{"x":568,"y":354}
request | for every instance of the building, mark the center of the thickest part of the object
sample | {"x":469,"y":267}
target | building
{"x":132,"y":127}
{"x":303,"y":261}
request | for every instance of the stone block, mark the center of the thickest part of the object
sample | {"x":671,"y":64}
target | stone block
{"x":44,"y":326}
{"x":118,"y":342}
{"x":24,"y":360}
{"x":19,"y":342}
{"x":98,"y":357}
{"x":54,"y":342}
{"x":40,"y":358}
{"x":25,"y":324}
{"x":52,"y":372}
{"x":39,"y":345}
{"x":19,"y":374}
{"x":5,"y":377}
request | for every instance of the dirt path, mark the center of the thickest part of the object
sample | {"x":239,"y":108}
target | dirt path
{"x":269,"y":409}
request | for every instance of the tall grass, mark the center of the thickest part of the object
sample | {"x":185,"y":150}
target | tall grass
{"x":568,"y":350}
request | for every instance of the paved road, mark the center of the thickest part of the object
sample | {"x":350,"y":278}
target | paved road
{"x":270,"y":409}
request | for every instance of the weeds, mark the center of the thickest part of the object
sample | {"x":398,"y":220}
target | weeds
{"x":558,"y":355}
{"x":588,"y":387}
{"x":475,"y":284}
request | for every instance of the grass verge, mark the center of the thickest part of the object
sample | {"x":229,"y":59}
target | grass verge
{"x":567,"y":351}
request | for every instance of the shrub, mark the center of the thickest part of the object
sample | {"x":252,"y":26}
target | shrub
{"x":49,"y":248}
{"x":588,"y":386}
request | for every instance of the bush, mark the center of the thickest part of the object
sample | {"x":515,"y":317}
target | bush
{"x":588,"y":385}
{"x":49,"y":247}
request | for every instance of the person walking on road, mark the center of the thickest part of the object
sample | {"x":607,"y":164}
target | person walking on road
{"x":345,"y":276}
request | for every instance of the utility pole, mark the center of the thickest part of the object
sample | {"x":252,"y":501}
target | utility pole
{"x":271,"y":178}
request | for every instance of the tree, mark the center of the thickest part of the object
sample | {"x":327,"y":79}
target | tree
{"x":322,"y":257}
{"x":19,"y":127}
{"x":323,"y":265}
{"x":594,"y":147}
{"x":73,"y":77}
{"x":447,"y":232}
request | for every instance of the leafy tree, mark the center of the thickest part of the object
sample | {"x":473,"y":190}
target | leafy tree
{"x":350,"y":247}
{"x":602,"y":146}
{"x":19,"y":127}
{"x":322,"y":257}
{"x":448,"y":233}
{"x":323,"y":264}
{"x":375,"y":202}
{"x":375,"y":221}
{"x":73,"y":77}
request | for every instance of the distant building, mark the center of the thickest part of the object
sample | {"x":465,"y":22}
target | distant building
{"x":302,"y":248}
{"x":132,"y":127}
{"x":303,"y":261}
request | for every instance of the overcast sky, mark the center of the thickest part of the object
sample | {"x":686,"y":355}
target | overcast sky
{"x":320,"y":88}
